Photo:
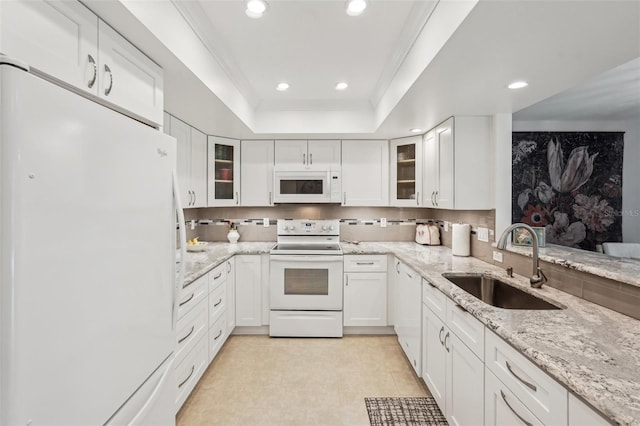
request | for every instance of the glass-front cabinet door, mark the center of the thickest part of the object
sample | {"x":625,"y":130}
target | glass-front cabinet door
{"x":224,"y":171}
{"x":406,"y":171}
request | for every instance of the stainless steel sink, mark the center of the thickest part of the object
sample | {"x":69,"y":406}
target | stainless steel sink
{"x":497,"y":293}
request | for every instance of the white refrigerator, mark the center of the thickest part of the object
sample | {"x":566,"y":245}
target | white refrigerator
{"x":87,"y":252}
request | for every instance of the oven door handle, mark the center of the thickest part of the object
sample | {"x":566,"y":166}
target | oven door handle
{"x":319,"y":258}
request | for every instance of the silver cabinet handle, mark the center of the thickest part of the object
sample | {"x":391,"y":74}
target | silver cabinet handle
{"x":346,"y":280}
{"x":504,"y":398}
{"x":365,"y":263}
{"x":397,"y":266}
{"x":188,"y":300}
{"x":182,"y":339}
{"x":440,"y":335}
{"x":270,"y":199}
{"x":107,"y":91}
{"x":446,"y":339}
{"x":409,"y":275}
{"x":219,"y":302}
{"x":530,"y":385}
{"x":91,"y":82}
{"x":311,"y":158}
{"x":219,"y":334}
{"x":344,"y":198}
{"x":304,"y":158}
{"x":237,"y":198}
{"x":418,"y":198}
{"x":228,"y":266}
{"x":195,"y":198}
{"x":217,"y":276}
{"x":193,"y":368}
{"x":436,"y":198}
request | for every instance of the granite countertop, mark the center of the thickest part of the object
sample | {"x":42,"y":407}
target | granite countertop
{"x":592,"y":350}
{"x":620,"y":269}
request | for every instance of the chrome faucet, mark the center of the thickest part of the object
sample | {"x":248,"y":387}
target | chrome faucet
{"x":538,"y":277}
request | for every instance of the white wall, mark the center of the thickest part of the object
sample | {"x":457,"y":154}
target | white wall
{"x":630,"y":166}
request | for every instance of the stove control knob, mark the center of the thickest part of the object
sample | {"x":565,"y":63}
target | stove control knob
{"x":325,"y":228}
{"x":331,"y":228}
{"x":291,"y":228}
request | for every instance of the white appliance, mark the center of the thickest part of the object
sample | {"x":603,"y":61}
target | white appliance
{"x":306,"y":279}
{"x":87,"y":252}
{"x":292,"y":185}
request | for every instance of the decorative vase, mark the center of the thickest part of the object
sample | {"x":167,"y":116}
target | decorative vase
{"x":233,"y":236}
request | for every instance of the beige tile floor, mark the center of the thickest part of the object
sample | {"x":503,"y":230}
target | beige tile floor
{"x":257,"y":380}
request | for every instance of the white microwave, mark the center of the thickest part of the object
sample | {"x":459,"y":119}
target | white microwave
{"x":306,"y":186}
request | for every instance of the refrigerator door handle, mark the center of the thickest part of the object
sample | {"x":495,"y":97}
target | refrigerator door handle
{"x":183,"y":248}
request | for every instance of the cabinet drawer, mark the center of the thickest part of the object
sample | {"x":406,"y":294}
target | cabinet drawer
{"x":189,"y":371}
{"x":434,"y":299}
{"x":217,"y":304}
{"x":191,"y":294}
{"x":501,"y":407}
{"x":466,"y":327}
{"x":191,"y":327}
{"x":546,"y":398}
{"x":216,"y":337}
{"x":365,"y":263}
{"x":217,"y":276}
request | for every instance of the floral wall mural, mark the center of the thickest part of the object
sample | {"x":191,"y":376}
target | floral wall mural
{"x":570,"y":183}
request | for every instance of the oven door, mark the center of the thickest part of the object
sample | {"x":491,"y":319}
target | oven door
{"x":304,"y":186}
{"x":306,"y":282}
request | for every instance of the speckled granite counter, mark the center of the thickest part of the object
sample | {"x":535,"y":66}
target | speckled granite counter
{"x":593,"y":351}
{"x":614,"y":268}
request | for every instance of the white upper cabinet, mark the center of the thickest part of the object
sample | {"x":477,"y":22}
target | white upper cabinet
{"x":66,"y":40}
{"x":191,"y":166}
{"x":458,"y":165}
{"x":224,"y":172}
{"x":256,"y":169}
{"x":59,"y":38}
{"x":365,"y":172}
{"x":406,"y":172}
{"x":307,"y":153}
{"x":127,"y":78}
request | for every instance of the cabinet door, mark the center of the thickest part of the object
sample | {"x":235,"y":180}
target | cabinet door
{"x":248,"y":291}
{"x":365,"y":299}
{"x":410,"y":315}
{"x":182,"y":132}
{"x":582,"y":415}
{"x":256,"y":169}
{"x":127,"y":78}
{"x":288,"y":152}
{"x":502,"y":408}
{"x":59,"y":38}
{"x":434,"y":367}
{"x":231,"y":295}
{"x":444,"y":193}
{"x":465,"y":384}
{"x":430,"y":170}
{"x":406,"y":172}
{"x":224,"y":172}
{"x":199,"y":168}
{"x":323,"y":153}
{"x":365,"y":173}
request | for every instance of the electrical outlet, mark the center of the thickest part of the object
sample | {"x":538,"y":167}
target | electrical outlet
{"x":383,"y":222}
{"x":483,"y":234}
{"x":446,"y":226}
{"x":497,"y":256}
{"x":192,"y":224}
{"x":265,"y":222}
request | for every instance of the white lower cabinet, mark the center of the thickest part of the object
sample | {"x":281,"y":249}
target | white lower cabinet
{"x":502,"y":407}
{"x":409,"y":314}
{"x":231,"y":296}
{"x":365,"y":290}
{"x":189,"y":371}
{"x":582,"y":415}
{"x":542,"y":395}
{"x":453,"y":373}
{"x":248,"y":290}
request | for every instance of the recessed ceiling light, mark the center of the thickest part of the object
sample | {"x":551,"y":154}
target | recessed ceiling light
{"x":518,"y":85}
{"x":282,"y":86}
{"x":415,"y":130}
{"x":356,"y":7}
{"x":255,"y":8}
{"x":341,"y":86}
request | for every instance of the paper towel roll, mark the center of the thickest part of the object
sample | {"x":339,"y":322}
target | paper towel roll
{"x":461,"y":239}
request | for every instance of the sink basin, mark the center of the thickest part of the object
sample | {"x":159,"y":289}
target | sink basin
{"x":497,"y":293}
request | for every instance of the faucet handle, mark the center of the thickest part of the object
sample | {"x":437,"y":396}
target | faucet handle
{"x":510,"y":271}
{"x":538,"y":279}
